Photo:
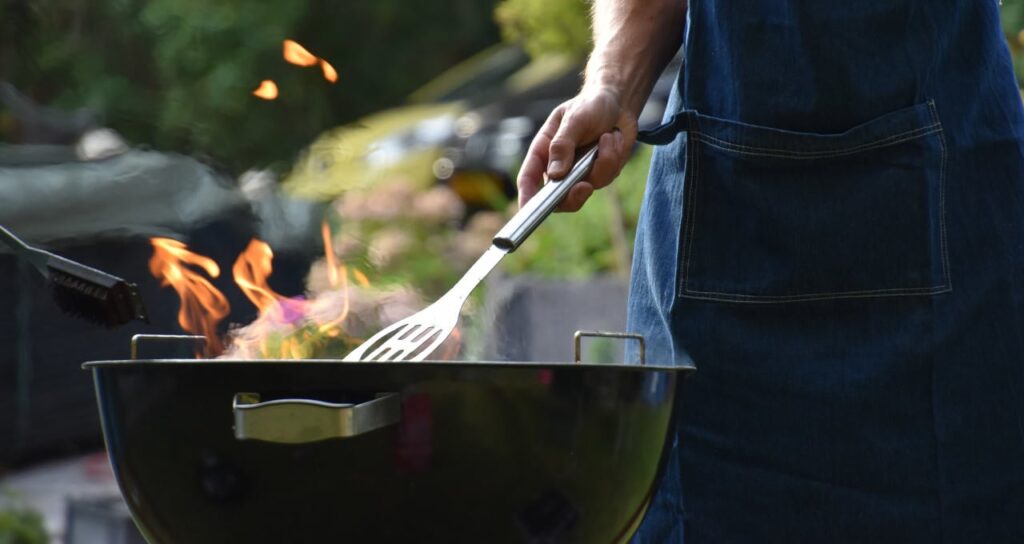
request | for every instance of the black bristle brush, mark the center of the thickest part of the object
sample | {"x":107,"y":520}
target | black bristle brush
{"x":80,"y":290}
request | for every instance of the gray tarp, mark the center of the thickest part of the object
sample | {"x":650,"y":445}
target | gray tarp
{"x":46,"y":198}
{"x":101,"y":213}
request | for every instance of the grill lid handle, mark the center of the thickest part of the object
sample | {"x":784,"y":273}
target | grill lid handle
{"x":301,"y":421}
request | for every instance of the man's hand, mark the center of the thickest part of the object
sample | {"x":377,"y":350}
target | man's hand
{"x":592,"y":116}
{"x":633,"y":40}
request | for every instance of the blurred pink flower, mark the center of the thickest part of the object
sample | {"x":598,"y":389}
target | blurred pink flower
{"x":347,"y":244}
{"x":487,"y":223}
{"x":440,"y":204}
{"x":387,"y":245}
{"x":386,"y":202}
{"x":472,"y":241}
{"x":317,"y":281}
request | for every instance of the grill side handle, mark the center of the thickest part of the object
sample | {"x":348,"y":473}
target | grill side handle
{"x":301,"y":421}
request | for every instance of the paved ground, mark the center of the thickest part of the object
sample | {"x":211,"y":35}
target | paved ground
{"x":47,"y":487}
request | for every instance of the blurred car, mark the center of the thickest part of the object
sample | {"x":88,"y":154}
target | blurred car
{"x":480,"y":159}
{"x":489,"y":143}
{"x":403,"y":141}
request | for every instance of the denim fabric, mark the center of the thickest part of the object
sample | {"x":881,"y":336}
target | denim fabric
{"x":833,"y":233}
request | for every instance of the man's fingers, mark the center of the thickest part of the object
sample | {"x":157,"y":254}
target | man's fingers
{"x":531,"y":174}
{"x":572,"y":125}
{"x":562,"y":150}
{"x":610,"y":158}
{"x":577,"y":196}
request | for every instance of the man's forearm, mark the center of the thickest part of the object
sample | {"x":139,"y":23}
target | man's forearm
{"x":633,"y":41}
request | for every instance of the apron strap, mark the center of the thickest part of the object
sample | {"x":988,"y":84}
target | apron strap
{"x":665,"y":133}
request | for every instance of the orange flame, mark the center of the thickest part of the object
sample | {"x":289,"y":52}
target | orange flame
{"x":251,"y":270}
{"x":330,"y":74}
{"x":267,"y":90}
{"x":360,"y":278}
{"x":298,"y":55}
{"x":329,"y":256}
{"x":203,"y":306}
{"x":452,"y":346}
{"x":287,"y":328}
{"x":337,"y":277}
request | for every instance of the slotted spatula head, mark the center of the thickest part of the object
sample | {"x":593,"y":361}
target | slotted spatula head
{"x":413,"y":338}
{"x":417,"y":336}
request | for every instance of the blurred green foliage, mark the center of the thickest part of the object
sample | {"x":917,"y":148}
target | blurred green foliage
{"x":1012,"y":15}
{"x":21,"y":526}
{"x":178,"y":74}
{"x":546,"y":26}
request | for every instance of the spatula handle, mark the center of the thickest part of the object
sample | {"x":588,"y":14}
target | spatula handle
{"x":534,"y":212}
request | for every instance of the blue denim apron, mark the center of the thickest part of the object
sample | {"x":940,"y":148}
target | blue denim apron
{"x":833,"y":233}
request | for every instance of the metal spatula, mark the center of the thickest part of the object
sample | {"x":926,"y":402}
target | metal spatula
{"x":417,"y":336}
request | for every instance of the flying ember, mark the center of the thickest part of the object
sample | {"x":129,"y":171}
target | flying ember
{"x":330,"y":74}
{"x":267,"y":90}
{"x":298,"y":55}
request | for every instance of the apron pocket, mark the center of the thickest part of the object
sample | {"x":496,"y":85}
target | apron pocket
{"x":777,"y":216}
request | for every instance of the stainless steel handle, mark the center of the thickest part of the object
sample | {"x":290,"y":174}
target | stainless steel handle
{"x":300,"y":421}
{"x":34,"y":256}
{"x":578,"y":342}
{"x":12,"y":241}
{"x":534,"y":212}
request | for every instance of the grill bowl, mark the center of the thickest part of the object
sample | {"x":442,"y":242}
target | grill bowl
{"x":475,"y":452}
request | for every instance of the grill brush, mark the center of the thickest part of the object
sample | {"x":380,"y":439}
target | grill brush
{"x":82,"y":291}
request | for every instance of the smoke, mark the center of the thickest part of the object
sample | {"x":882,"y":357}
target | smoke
{"x":324,"y":325}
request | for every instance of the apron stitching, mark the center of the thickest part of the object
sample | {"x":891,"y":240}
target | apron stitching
{"x":691,"y":206}
{"x":690,"y":221}
{"x":822,"y":295}
{"x":769,"y":152}
{"x":942,"y":198}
